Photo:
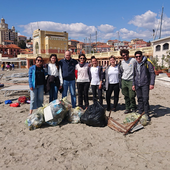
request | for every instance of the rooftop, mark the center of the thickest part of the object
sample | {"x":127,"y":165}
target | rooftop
{"x":161,"y":39}
{"x":8,"y":41}
{"x":74,"y":40}
{"x":22,"y":36}
{"x":9,"y":46}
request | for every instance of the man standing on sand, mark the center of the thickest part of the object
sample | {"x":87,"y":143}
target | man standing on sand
{"x":68,"y":72}
{"x":126,"y":69}
{"x":143,"y":81}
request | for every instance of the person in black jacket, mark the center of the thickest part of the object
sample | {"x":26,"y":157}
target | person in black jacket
{"x":55,"y":79}
{"x":96,"y":76}
{"x":143,"y":81}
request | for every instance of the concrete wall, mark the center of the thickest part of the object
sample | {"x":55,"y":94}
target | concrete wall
{"x":147,"y":51}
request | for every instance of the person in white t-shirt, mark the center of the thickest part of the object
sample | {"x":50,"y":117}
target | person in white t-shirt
{"x":83,"y":81}
{"x":112,"y":83}
{"x":96,"y":77}
{"x":55,"y":79}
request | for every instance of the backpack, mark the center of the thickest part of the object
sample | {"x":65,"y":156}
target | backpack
{"x":146,"y":64}
{"x":22,"y":99}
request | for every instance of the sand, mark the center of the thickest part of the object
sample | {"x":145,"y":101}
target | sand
{"x":80,"y":147}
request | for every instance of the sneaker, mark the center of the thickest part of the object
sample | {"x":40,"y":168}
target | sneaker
{"x":127,"y":111}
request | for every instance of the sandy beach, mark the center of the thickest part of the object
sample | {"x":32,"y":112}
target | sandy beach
{"x":80,"y":147}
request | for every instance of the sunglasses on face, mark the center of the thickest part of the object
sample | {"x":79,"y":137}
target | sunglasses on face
{"x":124,"y":55}
{"x":82,"y":58}
{"x":138,"y":56}
{"x":40,"y":60}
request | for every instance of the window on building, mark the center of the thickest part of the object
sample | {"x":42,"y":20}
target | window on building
{"x":23,"y":63}
{"x":166,"y":46}
{"x":36,"y":47}
{"x":31,"y":62}
{"x":158,"y":48}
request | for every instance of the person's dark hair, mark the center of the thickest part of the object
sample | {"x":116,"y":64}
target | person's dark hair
{"x":124,"y":51}
{"x":138,"y":52}
{"x":112,"y":56}
{"x":39,"y":57}
{"x":83,"y":56}
{"x":93,"y":57}
{"x":56,"y":62}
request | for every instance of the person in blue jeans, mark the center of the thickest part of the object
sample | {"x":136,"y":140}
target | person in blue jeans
{"x":68,"y":73}
{"x":36,"y":84}
{"x":55,"y":79}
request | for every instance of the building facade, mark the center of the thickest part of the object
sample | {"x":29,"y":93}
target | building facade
{"x":7,"y":34}
{"x":133,"y":41}
{"x":10,"y":51}
{"x":161,"y":49}
{"x":111,"y":42}
{"x":22,"y":38}
{"x":46,"y":43}
{"x":103,"y":57}
{"x":73,"y":43}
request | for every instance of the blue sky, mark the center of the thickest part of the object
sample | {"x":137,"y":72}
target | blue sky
{"x":80,"y":18}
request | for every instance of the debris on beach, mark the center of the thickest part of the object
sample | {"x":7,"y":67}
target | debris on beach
{"x":132,"y":123}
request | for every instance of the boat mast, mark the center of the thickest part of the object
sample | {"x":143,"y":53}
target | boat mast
{"x":161,"y":23}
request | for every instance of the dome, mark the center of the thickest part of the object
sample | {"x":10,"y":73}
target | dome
{"x":2,"y":20}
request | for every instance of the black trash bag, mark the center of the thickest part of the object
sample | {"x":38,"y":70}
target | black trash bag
{"x":94,"y":115}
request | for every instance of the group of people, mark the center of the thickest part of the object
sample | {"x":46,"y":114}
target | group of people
{"x":9,"y":66}
{"x":133,"y":76}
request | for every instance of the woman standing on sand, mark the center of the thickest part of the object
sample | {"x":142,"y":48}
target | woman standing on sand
{"x":36,"y":84}
{"x":96,"y":77}
{"x":83,"y":81}
{"x":55,"y":79}
{"x":112,"y":82}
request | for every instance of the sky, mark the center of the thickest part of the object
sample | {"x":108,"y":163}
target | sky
{"x":112,"y":19}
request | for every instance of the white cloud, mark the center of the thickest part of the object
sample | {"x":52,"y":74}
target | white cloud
{"x":75,"y":30}
{"x":147,"y":20}
{"x":106,"y":28}
{"x":129,"y":34}
{"x":166,"y":23}
{"x":144,"y":24}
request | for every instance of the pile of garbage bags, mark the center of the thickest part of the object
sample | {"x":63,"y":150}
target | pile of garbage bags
{"x":53,"y":114}
{"x":131,"y":117}
{"x":56,"y":111}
